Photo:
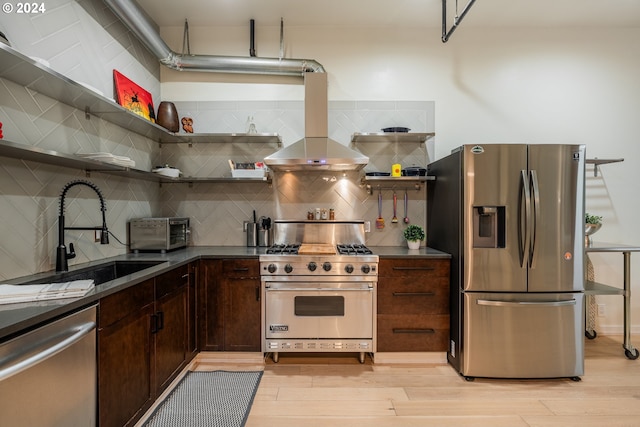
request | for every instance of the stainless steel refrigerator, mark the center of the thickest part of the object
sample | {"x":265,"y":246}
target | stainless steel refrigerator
{"x":512,"y":217}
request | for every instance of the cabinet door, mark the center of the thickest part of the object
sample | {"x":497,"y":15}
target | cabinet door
{"x":192,"y":318}
{"x":125,"y":387}
{"x":171,"y":326}
{"x":242,"y":318}
{"x":242,"y":315}
{"x":210,"y":306}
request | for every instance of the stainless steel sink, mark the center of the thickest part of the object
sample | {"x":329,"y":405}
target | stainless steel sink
{"x":99,"y":273}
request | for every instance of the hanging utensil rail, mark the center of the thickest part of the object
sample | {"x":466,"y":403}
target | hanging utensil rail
{"x":371,"y":188}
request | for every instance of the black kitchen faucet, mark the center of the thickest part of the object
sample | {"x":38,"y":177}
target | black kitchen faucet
{"x":62,"y":256}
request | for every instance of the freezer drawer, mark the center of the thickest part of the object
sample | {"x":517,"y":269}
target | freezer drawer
{"x":523,"y":335}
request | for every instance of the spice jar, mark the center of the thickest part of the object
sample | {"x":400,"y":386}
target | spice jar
{"x":332,"y":214}
{"x":310,"y":215}
{"x":323,"y":213}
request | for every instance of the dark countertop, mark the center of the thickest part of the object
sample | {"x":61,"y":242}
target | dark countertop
{"x":17,"y":317}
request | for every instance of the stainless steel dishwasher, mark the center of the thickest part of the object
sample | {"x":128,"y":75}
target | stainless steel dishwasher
{"x":48,"y":375}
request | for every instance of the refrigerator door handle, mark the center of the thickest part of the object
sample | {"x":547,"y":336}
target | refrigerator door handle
{"x":524,"y":215}
{"x":535,"y":218}
{"x":494,"y":303}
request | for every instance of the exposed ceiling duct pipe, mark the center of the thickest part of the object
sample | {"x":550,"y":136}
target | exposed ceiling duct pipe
{"x":143,"y":27}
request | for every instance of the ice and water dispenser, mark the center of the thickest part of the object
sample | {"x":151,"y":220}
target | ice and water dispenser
{"x":489,"y":226}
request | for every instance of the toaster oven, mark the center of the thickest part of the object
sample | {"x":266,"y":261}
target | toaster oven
{"x":158,"y":234}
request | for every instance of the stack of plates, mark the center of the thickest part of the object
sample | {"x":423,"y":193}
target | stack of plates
{"x":167,"y":171}
{"x":109,"y":158}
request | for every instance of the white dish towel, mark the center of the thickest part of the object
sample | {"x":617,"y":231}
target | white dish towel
{"x":10,"y":294}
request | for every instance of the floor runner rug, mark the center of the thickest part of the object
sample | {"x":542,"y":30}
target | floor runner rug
{"x":211,"y":399}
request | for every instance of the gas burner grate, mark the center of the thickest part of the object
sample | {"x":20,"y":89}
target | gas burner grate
{"x":284,"y":249}
{"x":355,"y":249}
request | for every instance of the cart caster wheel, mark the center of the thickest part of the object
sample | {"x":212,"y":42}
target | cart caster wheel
{"x":632,"y":355}
{"x":576,"y":379}
{"x":469,"y":379}
{"x":590,"y":335}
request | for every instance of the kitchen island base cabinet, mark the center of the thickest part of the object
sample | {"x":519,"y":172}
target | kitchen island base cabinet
{"x":142,"y":345}
{"x":413,"y":305}
{"x":230,"y":305}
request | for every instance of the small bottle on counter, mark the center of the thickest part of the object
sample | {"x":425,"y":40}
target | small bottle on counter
{"x":310,"y":215}
{"x":317,"y":213}
{"x":323,"y":214}
{"x":332,"y":214}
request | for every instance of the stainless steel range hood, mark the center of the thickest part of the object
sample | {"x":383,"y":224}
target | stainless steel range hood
{"x":316,"y":151}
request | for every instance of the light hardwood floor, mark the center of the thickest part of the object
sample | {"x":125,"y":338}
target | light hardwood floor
{"x":303,"y":391}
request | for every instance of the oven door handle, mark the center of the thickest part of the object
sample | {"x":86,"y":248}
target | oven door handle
{"x":306,"y":289}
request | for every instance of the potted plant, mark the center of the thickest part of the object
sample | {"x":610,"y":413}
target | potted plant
{"x":414,"y":234}
{"x":592,"y":223}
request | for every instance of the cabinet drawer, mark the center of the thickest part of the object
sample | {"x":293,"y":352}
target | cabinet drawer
{"x":121,"y":304}
{"x":413,"y":267}
{"x":405,"y":295}
{"x":241,"y":268}
{"x":168,"y":282}
{"x":413,"y":333}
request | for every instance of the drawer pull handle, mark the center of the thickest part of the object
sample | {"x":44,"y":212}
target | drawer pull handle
{"x":413,"y":268}
{"x":239,"y":269}
{"x":413,"y":331}
{"x":413,"y":294}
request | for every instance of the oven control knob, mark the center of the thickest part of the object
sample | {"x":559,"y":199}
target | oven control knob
{"x":288,"y":268}
{"x":326,"y":266}
{"x":349,"y":268}
{"x":272,"y":268}
{"x":365,"y":269}
{"x":312,"y":266}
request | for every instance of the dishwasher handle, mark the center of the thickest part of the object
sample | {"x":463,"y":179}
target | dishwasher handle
{"x":45,"y":349}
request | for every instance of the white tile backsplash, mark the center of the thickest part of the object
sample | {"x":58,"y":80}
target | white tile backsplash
{"x":86,"y":43}
{"x":218,"y":210}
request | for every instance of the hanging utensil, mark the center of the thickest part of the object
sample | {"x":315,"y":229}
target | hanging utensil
{"x":380,"y":220}
{"x":406,"y":203}
{"x":395,"y":208}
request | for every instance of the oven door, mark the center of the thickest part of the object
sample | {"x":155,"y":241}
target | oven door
{"x":178,"y":233}
{"x":319,"y":310}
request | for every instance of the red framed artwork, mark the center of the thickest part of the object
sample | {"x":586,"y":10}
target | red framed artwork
{"x":133,"y":97}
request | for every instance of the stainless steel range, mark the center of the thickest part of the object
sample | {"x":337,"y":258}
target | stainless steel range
{"x":319,"y":289}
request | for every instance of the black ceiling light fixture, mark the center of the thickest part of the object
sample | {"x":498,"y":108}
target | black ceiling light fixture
{"x":456,"y":20}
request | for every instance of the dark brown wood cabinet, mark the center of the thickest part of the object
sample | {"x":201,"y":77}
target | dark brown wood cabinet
{"x":192,"y":311}
{"x":142,"y":345}
{"x":125,"y":388}
{"x":170,"y":325}
{"x":230,"y":305}
{"x":210,"y":306}
{"x":413,"y":304}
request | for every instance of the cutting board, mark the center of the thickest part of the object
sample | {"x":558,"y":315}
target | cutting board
{"x":317,"y":249}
